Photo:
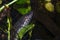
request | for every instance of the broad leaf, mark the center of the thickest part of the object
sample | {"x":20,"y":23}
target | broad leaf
{"x":22,"y":1}
{"x":25,"y":29}
{"x":23,"y":10}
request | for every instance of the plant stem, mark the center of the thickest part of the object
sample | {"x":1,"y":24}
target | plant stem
{"x":7,"y":5}
{"x":9,"y":26}
{"x":11,"y":2}
{"x":8,"y":21}
{"x":30,"y":34}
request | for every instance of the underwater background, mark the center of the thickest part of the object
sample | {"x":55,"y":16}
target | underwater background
{"x":29,"y":19}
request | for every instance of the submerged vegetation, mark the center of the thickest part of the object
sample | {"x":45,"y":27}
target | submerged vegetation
{"x":23,"y":21}
{"x":29,"y":19}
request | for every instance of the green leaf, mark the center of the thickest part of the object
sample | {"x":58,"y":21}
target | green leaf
{"x":24,"y":30}
{"x":24,"y":11}
{"x":21,"y":9}
{"x":49,"y":7}
{"x":22,"y":1}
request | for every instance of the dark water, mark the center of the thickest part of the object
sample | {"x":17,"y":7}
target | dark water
{"x":40,"y":31}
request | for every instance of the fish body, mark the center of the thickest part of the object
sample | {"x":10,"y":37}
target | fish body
{"x":23,"y":21}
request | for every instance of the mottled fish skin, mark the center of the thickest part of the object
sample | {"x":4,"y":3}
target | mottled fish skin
{"x":22,"y":22}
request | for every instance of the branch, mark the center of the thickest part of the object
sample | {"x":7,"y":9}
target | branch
{"x":7,"y":5}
